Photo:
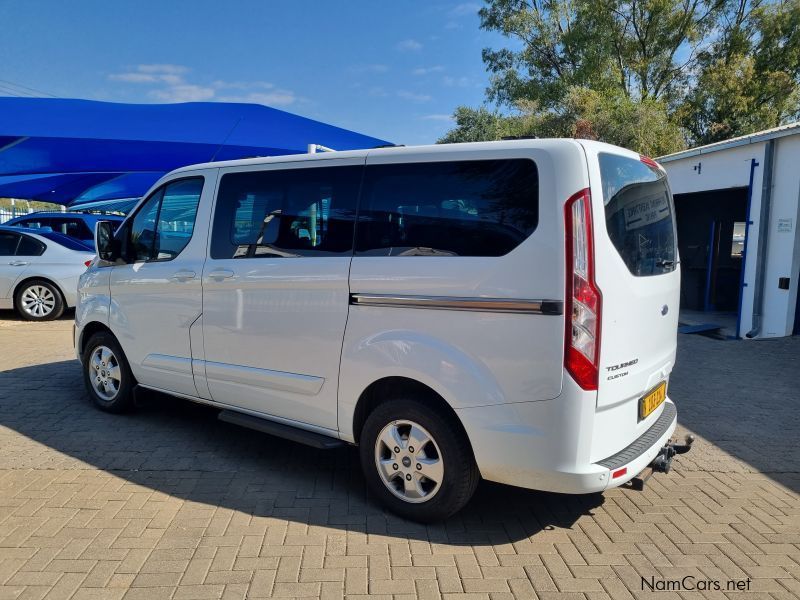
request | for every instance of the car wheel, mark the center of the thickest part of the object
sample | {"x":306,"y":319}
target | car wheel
{"x":107,"y":375}
{"x":38,"y":300}
{"x":417,"y":461}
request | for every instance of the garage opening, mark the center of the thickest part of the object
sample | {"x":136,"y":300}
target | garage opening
{"x":711,"y":232}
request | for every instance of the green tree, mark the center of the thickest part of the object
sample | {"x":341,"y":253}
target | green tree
{"x":584,"y":113}
{"x":748,"y":78}
{"x":651,"y":75}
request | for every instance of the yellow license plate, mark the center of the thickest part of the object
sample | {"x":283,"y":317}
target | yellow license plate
{"x":652,"y":400}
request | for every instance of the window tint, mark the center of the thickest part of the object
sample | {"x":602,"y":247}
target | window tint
{"x":38,"y":223}
{"x":8,"y":243}
{"x":143,"y":229}
{"x":74,"y":228}
{"x":176,"y":217}
{"x":638,"y":209}
{"x":466,"y":208}
{"x":29,"y":247}
{"x":286,"y":213}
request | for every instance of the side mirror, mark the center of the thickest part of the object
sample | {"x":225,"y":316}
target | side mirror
{"x":104,"y":240}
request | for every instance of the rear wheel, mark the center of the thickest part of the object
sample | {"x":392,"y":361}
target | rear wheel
{"x":106,"y":374}
{"x":38,"y":300}
{"x":417,"y":461}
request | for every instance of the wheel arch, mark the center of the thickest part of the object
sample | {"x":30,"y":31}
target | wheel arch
{"x":89,"y":330}
{"x":385,"y":389}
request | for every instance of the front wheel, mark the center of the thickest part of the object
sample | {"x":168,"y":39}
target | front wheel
{"x":106,"y":374}
{"x":417,"y":461}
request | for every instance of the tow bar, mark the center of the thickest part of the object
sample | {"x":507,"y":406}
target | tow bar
{"x":663,"y":461}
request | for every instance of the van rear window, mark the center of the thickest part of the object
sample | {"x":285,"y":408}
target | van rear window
{"x":639,"y":214}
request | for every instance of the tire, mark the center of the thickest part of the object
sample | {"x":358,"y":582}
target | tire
{"x":38,"y":300}
{"x":400,"y":422}
{"x":107,"y":375}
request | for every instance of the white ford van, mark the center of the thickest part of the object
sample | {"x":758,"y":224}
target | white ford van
{"x":504,"y":310}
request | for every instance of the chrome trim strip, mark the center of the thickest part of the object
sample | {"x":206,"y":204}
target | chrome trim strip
{"x":501,"y":305}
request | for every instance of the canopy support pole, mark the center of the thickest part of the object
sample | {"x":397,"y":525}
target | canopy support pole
{"x":314,"y":148}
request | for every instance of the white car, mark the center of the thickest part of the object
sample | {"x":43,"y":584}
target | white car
{"x":502,"y":310}
{"x":39,"y":271}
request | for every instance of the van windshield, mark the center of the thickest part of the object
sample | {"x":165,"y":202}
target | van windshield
{"x":639,"y":214}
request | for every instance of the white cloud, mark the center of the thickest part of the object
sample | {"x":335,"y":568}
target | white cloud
{"x":456,"y":81}
{"x":414,"y":97}
{"x":163,"y":68}
{"x":465,"y":8}
{"x":409,"y":45}
{"x":275,"y":98}
{"x":437,"y":117}
{"x":457,"y":13}
{"x":377,"y":68}
{"x":133,"y":77}
{"x":427,"y":70}
{"x":186,"y":92}
{"x":170,"y":84}
{"x":242,"y":85}
{"x":170,"y":74}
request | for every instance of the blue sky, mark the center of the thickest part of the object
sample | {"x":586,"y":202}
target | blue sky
{"x":395,"y":70}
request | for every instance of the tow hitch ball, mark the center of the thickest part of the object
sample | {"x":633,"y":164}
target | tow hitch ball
{"x":663,"y":461}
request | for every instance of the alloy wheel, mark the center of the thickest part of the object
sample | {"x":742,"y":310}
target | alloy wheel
{"x":38,"y":301}
{"x":105,"y":373}
{"x":409,"y":461}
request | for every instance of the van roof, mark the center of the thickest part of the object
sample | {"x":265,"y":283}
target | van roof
{"x":542,"y":143}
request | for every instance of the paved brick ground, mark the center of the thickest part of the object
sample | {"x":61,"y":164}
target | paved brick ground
{"x":171,"y":503}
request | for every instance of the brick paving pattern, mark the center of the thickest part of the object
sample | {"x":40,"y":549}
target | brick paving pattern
{"x":171,"y":503}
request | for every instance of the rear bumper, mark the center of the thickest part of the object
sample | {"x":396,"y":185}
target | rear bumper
{"x":546,"y":445}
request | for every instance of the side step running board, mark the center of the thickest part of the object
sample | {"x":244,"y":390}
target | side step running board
{"x":309,"y":438}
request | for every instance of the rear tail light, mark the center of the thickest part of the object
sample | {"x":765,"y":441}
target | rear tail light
{"x":583,"y":298}
{"x":651,"y":163}
{"x":87,"y":263}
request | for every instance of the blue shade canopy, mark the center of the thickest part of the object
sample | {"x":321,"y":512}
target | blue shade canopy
{"x":66,"y":151}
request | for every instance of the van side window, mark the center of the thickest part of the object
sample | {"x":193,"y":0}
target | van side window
{"x":286,"y":213}
{"x":164,"y":224}
{"x":464,"y":208}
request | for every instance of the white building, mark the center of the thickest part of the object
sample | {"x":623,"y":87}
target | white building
{"x":738,"y":205}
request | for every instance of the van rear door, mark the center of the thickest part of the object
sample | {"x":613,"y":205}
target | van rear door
{"x":638,"y":275}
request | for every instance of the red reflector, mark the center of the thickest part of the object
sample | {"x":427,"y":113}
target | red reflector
{"x":87,"y":263}
{"x":619,"y":472}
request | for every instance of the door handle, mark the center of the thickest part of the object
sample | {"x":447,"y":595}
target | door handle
{"x":184,"y":275}
{"x":18,"y":263}
{"x":221,"y":274}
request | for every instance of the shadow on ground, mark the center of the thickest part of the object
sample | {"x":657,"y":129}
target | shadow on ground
{"x":742,"y":396}
{"x":181,"y":449}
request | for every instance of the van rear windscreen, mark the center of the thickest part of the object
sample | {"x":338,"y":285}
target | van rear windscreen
{"x":639,"y":214}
